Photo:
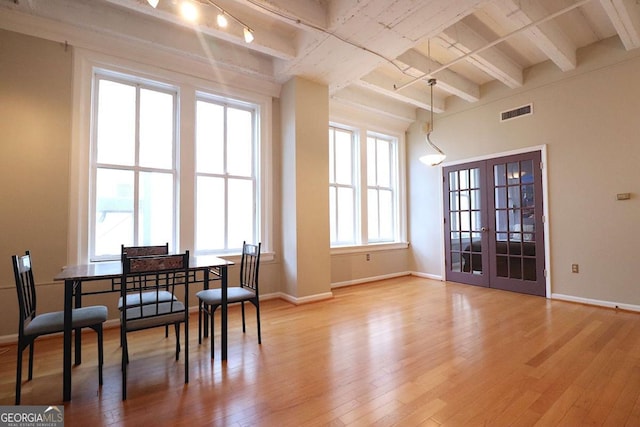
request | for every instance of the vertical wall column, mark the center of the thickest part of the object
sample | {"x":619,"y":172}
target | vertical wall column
{"x":305,"y":190}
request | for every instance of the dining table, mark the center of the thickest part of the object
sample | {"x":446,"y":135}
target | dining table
{"x":209,"y":267}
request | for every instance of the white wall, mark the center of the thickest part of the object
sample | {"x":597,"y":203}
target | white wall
{"x":588,"y":118}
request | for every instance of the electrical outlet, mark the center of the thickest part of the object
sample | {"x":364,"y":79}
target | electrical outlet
{"x":368,"y":257}
{"x":575,"y":268}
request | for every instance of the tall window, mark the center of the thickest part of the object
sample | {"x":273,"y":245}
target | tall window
{"x":381,"y":200}
{"x":342,"y":186}
{"x":365,"y":201}
{"x":226,"y":209}
{"x":134,"y":166}
{"x":167,"y":163}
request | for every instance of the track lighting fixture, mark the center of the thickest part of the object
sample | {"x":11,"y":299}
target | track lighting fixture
{"x":190,"y":13}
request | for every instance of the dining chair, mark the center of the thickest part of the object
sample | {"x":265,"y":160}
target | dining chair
{"x":246,"y":291}
{"x":145,"y":297}
{"x":33,"y":325}
{"x":172,"y":272}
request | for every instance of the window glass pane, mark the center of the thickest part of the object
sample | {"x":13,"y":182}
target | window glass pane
{"x":155,"y":209}
{"x":333,"y":215}
{"x":475,"y":177}
{"x":332,"y":171}
{"x":384,"y":172}
{"x":156,"y":129}
{"x":344,"y":158}
{"x":240,"y":212}
{"x":386,"y":215}
{"x":239,"y":142}
{"x":114,"y":211}
{"x":371,"y":162}
{"x":210,"y":217}
{"x":373,"y":230}
{"x":453,"y":181}
{"x":345,"y":215}
{"x":116,"y":122}
{"x":209,"y":137}
{"x":513,"y":173}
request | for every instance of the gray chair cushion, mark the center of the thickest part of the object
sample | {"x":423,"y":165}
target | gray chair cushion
{"x":150,"y":315}
{"x":48,"y":323}
{"x":148,"y":297}
{"x":234,"y":294}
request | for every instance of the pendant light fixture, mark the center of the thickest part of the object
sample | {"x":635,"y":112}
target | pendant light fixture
{"x":438,"y":157}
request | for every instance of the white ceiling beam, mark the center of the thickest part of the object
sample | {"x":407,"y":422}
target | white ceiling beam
{"x":305,"y":14}
{"x":625,"y":17}
{"x":548,"y":36}
{"x":448,"y":80}
{"x":365,"y":100}
{"x":461,"y":40}
{"x":382,"y":84}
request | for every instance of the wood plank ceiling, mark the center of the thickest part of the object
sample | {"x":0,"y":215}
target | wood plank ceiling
{"x":374,"y":54}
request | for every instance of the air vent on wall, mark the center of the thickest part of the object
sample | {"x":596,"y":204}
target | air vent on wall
{"x":525,"y":110}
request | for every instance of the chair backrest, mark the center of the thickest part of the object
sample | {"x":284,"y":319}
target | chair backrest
{"x":135,"y":251}
{"x":26,"y":288}
{"x":169,"y":271}
{"x":249,"y":266}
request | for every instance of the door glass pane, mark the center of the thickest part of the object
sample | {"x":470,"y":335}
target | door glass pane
{"x":474,"y":177}
{"x":502,"y":266}
{"x":515,"y":267}
{"x":476,"y":221}
{"x":501,"y":221}
{"x":455,"y":240}
{"x":475,"y":199}
{"x":453,"y":181}
{"x":513,"y":173}
{"x":465,"y":221}
{"x":500,"y":175}
{"x":528,"y":195}
{"x":514,"y":219}
{"x":464,"y":179}
{"x":501,"y":198}
{"x":529,"y":269}
{"x":454,"y":223}
{"x":454,"y":201}
{"x":526,"y":171}
{"x":514,"y":196}
{"x":456,"y":264}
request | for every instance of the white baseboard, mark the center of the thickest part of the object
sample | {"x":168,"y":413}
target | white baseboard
{"x":599,"y":303}
{"x":427,"y":275}
{"x":305,"y":300}
{"x":369,"y":279}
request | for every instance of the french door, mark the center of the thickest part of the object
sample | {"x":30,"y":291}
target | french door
{"x":494,"y":234}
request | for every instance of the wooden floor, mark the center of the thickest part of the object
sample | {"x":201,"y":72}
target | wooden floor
{"x":406,"y":352}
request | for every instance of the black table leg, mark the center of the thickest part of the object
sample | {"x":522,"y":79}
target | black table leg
{"x":66,"y":366}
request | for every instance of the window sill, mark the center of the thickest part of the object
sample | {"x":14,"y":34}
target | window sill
{"x":374,"y":247}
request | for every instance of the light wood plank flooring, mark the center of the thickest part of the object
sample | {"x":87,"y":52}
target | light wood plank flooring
{"x":406,"y":351}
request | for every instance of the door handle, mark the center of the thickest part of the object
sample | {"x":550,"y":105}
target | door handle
{"x":484,"y":229}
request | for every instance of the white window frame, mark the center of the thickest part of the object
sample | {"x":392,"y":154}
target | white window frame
{"x":225,"y":102}
{"x":355,"y":180}
{"x":100,"y":74}
{"x":85,"y":64}
{"x":361,"y":131}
